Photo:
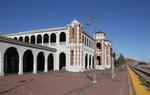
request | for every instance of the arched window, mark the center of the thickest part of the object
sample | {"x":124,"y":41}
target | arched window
{"x":15,"y":38}
{"x":99,"y":45}
{"x":85,"y":40}
{"x":98,"y":60}
{"x":73,"y":31}
{"x":53,"y":38}
{"x":62,"y":37}
{"x":39,"y":39}
{"x":20,"y":38}
{"x":46,"y":38}
{"x":82,"y":38}
{"x":26,"y":39}
{"x":33,"y":39}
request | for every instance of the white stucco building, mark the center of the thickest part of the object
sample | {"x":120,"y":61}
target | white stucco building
{"x":67,"y":47}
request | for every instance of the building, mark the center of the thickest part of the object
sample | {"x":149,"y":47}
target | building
{"x":68,"y":48}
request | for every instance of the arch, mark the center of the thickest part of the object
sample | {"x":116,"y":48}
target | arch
{"x":11,"y":60}
{"x":90,"y":61}
{"x":40,"y":61}
{"x":98,"y":45}
{"x":50,"y":62}
{"x":86,"y":61}
{"x":28,"y":61}
{"x":85,"y":40}
{"x":93,"y":65}
{"x":62,"y":37}
{"x":62,"y":60}
{"x":99,"y":60}
{"x":46,"y":38}
{"x":39,"y":39}
{"x":20,"y":38}
{"x":32,"y":39}
{"x":15,"y":38}
{"x":26,"y":39}
{"x":53,"y":38}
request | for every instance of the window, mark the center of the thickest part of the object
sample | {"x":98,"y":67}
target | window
{"x":62,"y":37}
{"x":99,"y":45}
{"x":72,"y":33}
{"x":20,"y":38}
{"x":53,"y":37}
{"x":39,"y":39}
{"x":26,"y":39}
{"x":46,"y":38}
{"x":33,"y":39}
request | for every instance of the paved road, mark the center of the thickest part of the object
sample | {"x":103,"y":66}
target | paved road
{"x":65,"y":83}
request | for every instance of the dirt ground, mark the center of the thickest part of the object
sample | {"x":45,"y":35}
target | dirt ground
{"x":65,"y":83}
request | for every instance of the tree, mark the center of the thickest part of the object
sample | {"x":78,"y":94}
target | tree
{"x":114,"y":57}
{"x":121,"y":60}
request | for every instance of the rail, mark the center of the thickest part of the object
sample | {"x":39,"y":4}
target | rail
{"x":142,"y":72}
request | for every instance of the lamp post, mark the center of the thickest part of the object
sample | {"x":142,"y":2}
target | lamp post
{"x":88,"y":24}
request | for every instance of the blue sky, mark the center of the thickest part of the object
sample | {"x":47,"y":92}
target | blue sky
{"x":125,"y":22}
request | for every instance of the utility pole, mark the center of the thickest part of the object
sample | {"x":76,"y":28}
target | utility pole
{"x":88,"y":24}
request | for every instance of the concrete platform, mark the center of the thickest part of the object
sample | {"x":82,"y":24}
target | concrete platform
{"x":65,"y":83}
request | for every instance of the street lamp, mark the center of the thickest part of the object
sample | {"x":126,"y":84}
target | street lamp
{"x":88,"y":24}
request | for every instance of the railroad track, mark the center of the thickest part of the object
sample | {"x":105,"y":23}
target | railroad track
{"x":142,"y":72}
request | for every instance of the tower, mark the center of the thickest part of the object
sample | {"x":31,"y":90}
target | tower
{"x":107,"y":54}
{"x":100,"y":50}
{"x":75,"y":45}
